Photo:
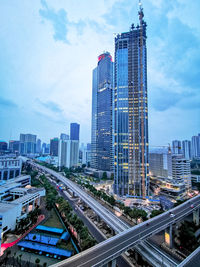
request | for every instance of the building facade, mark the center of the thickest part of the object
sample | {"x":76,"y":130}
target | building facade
{"x":14,"y":146}
{"x":102,"y":117}
{"x":160,"y":162}
{"x":94,"y":121}
{"x":38,"y":146}
{"x":181,"y":170}
{"x":176,"y":147}
{"x":131,"y":167}
{"x":68,"y":154}
{"x":3,"y":146}
{"x":16,"y":202}
{"x":54,"y":147}
{"x":195,"y":147}
{"x":186,"y":149}
{"x":27,"y":144}
{"x":74,"y":131}
{"x":64,"y":136}
{"x":9,"y":167}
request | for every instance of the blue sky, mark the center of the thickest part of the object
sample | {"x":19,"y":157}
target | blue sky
{"x":49,"y":48}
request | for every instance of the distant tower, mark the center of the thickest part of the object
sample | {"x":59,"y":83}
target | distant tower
{"x":176,"y":147}
{"x":131,"y":167}
{"x":74,"y":131}
{"x":54,"y":146}
{"x":102,"y":113}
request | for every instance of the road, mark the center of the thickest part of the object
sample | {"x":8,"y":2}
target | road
{"x":105,"y":214}
{"x":121,"y":262}
{"x":114,"y":246}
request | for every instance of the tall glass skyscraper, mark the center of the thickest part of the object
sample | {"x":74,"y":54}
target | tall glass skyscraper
{"x":131,"y":167}
{"x":102,"y":113}
{"x":74,"y":131}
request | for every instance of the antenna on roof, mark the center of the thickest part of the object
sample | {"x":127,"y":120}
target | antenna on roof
{"x":140,"y":13}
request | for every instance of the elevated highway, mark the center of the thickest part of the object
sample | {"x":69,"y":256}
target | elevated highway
{"x":128,"y":237}
{"x":115,"y":246}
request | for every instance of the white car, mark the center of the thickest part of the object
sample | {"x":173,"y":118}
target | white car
{"x":172,"y":215}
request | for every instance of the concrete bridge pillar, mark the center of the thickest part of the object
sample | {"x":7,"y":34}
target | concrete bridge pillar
{"x":112,"y":232}
{"x":136,"y":256}
{"x":112,"y":263}
{"x":27,"y":208}
{"x":169,"y":237}
{"x":98,"y":219}
{"x":38,"y":201}
{"x":196,"y":216}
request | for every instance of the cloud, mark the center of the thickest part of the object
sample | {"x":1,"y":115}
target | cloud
{"x":6,"y":103}
{"x":58,"y":19}
{"x":50,"y":105}
{"x":48,"y":117}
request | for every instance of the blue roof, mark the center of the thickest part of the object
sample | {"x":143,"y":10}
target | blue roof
{"x":65,"y":236}
{"x":45,"y":248}
{"x":42,"y":239}
{"x":50,"y":229}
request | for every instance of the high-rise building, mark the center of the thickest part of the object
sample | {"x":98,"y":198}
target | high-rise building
{"x":186,"y":149}
{"x":102,"y":113}
{"x":89,"y":146}
{"x":131,"y":167}
{"x":3,"y":146}
{"x":38,"y":146}
{"x":68,"y":153}
{"x":181,"y":170}
{"x":44,"y":145}
{"x":94,"y":120}
{"x":160,"y":162}
{"x":74,"y":131}
{"x":14,"y":146}
{"x":54,"y":146}
{"x":27,"y":144}
{"x":195,"y":146}
{"x":74,"y":153}
{"x":176,"y":147}
{"x":64,"y":136}
{"x":64,"y":153}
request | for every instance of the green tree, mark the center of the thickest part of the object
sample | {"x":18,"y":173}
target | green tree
{"x":104,"y":177}
{"x":37,"y":261}
{"x":155,"y":213}
{"x":187,"y":237}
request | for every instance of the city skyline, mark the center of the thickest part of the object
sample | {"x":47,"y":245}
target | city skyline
{"x":39,"y":91}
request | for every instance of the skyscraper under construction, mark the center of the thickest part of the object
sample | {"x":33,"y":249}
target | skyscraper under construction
{"x":130,"y":111}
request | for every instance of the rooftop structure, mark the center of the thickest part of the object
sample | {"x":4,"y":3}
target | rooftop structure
{"x":167,"y":187}
{"x":16,"y":201}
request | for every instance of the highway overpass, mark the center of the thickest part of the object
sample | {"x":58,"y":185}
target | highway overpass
{"x":113,"y":247}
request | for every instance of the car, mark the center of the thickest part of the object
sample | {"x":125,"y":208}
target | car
{"x":147,"y":224}
{"x":192,"y":206}
{"x":172,"y":215}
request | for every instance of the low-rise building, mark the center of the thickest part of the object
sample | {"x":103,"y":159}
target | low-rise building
{"x":181,"y":170}
{"x":10,"y":167}
{"x":195,"y":178}
{"x":17,"y":199}
{"x":167,"y":187}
